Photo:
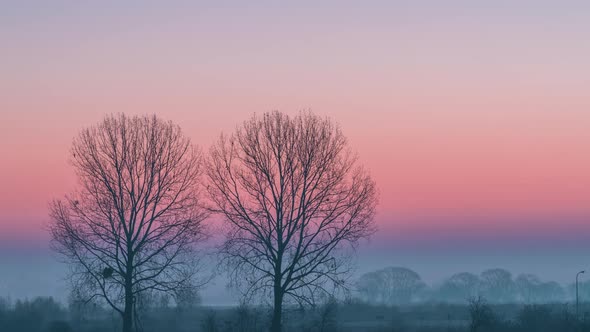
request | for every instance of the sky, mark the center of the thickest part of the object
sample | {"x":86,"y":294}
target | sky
{"x":473,"y":117}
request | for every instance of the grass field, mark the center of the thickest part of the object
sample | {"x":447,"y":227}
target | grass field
{"x":46,"y":315}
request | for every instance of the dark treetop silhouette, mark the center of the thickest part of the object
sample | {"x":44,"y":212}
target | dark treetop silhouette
{"x":133,"y":224}
{"x":293,"y":200}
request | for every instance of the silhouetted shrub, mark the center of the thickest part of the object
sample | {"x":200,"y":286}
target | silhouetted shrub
{"x":327,"y":320}
{"x":247,"y":318}
{"x":481,"y":315}
{"x":209,"y":323}
{"x":59,"y":326}
{"x":31,"y":316}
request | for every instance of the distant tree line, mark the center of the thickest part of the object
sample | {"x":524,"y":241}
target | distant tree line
{"x":399,"y":286}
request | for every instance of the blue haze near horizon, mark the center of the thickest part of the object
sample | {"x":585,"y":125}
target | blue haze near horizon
{"x":27,"y":272}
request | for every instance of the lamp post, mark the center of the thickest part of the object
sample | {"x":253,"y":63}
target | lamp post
{"x":577,"y":301}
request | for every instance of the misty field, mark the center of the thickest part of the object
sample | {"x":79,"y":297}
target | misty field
{"x":46,"y":315}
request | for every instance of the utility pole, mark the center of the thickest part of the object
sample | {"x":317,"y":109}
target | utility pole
{"x":577,"y":299}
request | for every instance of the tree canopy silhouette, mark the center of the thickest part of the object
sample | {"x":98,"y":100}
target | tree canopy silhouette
{"x":293,"y":199}
{"x":134,"y":223}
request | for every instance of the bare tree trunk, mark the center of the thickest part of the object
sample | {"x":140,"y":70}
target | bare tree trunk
{"x":277,"y":313}
{"x":278,"y":293}
{"x":128,"y":310}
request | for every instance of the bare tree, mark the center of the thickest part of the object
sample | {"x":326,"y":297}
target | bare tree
{"x":550,"y":292}
{"x":133,"y":225}
{"x":459,"y":287}
{"x":497,"y":285}
{"x":527,"y":286}
{"x":370,"y":287}
{"x":293,"y":200}
{"x":391,"y":285}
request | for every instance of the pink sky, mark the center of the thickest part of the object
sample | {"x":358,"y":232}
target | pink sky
{"x":467,"y":117}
